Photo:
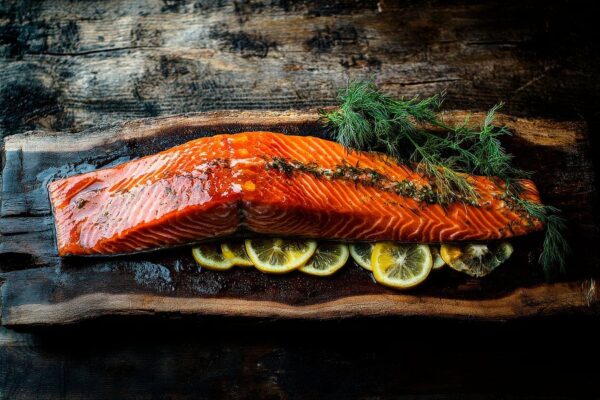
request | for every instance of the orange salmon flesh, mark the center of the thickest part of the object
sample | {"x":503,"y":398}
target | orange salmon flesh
{"x":272,"y":184}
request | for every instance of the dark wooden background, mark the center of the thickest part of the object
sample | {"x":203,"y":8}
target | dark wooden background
{"x":66,"y":66}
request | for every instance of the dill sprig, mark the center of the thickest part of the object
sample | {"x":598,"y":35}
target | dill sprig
{"x":368,"y":119}
{"x":555,"y":247}
{"x":490,"y":157}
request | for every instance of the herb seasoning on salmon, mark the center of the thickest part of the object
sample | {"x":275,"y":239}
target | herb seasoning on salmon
{"x":274,"y":184}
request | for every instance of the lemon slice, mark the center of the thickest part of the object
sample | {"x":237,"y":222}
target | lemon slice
{"x":209,"y":255}
{"x":476,"y":259}
{"x":235,"y":250}
{"x":327,"y":259}
{"x":278,"y":256}
{"x":401,"y":266}
{"x":361,"y":253}
{"x":438,"y":261}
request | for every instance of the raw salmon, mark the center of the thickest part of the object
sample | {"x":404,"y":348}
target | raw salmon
{"x":274,"y":184}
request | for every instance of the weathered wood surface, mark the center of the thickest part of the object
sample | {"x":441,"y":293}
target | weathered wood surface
{"x":41,"y":288}
{"x":66,"y":66}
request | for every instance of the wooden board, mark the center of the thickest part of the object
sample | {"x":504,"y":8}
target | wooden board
{"x":40,"y":288}
{"x":68,"y":66}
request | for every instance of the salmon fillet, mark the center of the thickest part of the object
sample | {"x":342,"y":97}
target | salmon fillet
{"x":269,"y":183}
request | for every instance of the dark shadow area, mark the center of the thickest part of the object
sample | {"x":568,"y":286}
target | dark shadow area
{"x":364,"y":358}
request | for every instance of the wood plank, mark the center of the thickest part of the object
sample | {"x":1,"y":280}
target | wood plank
{"x":68,"y":66}
{"x":41,"y":288}
{"x":539,"y":301}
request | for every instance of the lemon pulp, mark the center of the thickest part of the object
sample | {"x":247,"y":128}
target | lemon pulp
{"x":401,"y":266}
{"x":438,"y":261}
{"x":326,"y":260}
{"x":235,"y":250}
{"x":209,"y":255}
{"x":476,"y":259}
{"x":278,"y":256}
{"x":361,"y":253}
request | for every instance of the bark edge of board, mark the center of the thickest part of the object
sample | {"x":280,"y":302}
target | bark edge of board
{"x":558,"y":298}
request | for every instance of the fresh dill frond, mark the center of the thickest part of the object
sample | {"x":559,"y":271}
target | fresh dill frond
{"x":368,"y":119}
{"x":449,"y":185}
{"x":555,"y":247}
{"x":421,"y":111}
{"x":363,"y":116}
{"x":490,"y":156}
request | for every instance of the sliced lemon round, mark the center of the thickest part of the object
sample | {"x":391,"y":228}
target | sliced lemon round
{"x":209,"y":255}
{"x":401,"y":266}
{"x":278,"y":256}
{"x":326,"y":260}
{"x":235,"y":250}
{"x":476,"y":259}
{"x":361,"y":253}
{"x":438,"y":261}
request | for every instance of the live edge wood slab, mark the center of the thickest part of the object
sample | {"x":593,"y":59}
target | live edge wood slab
{"x":39,"y":288}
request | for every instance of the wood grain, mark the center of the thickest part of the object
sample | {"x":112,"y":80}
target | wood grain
{"x":71,"y":66}
{"x":543,"y":300}
{"x":41,"y":288}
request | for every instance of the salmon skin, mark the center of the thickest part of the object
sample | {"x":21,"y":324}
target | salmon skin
{"x":274,"y":184}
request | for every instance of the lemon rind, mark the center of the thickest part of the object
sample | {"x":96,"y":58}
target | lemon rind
{"x":238,"y":261}
{"x":332,"y":268}
{"x":359,"y":259}
{"x":210,"y":264}
{"x":289,"y":267}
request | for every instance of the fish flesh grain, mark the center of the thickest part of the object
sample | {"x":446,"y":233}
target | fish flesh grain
{"x":272,"y":184}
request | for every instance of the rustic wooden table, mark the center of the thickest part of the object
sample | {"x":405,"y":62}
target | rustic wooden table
{"x":69,"y":66}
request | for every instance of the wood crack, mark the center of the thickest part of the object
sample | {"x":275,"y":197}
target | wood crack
{"x":424,"y":82}
{"x":493,"y":43}
{"x":88,"y":52}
